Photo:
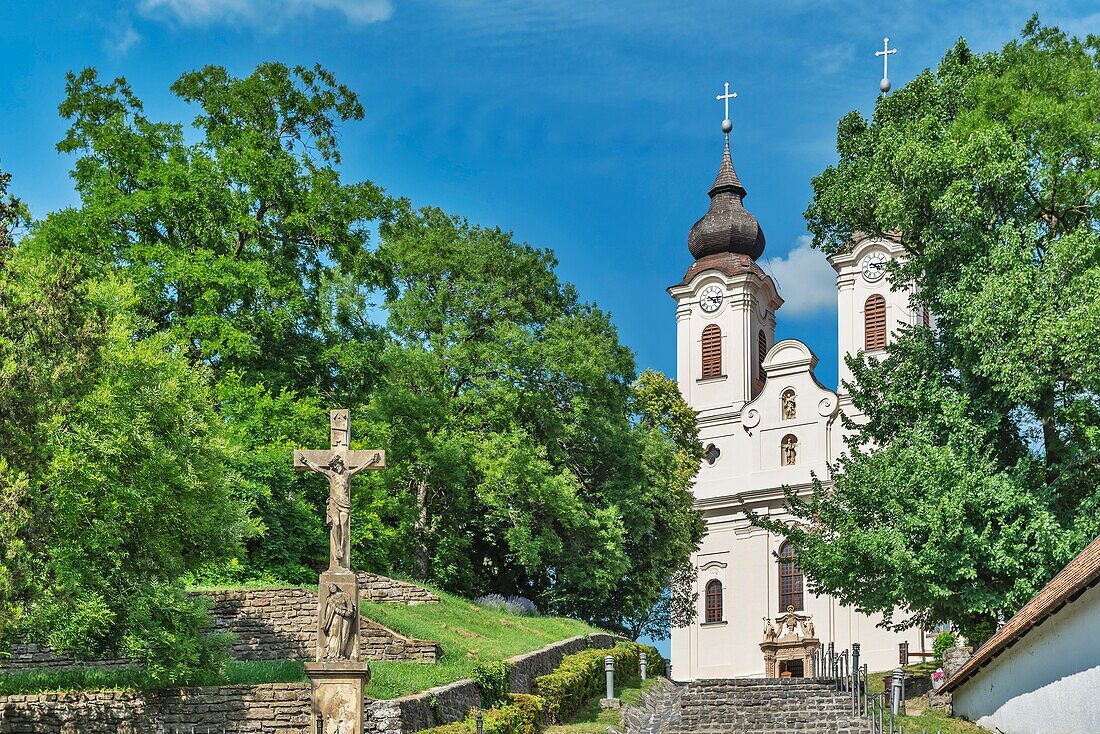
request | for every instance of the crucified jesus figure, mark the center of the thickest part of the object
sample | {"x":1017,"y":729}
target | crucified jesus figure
{"x":339,"y":504}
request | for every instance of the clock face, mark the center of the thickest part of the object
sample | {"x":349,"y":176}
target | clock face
{"x":873,"y":266}
{"x":711,"y":298}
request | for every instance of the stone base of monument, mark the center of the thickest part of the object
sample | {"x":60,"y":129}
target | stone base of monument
{"x":338,"y":616}
{"x":338,"y":695}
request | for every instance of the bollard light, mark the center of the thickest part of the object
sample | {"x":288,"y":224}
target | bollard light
{"x":609,"y":669}
{"x":320,"y":724}
{"x":895,"y":691}
{"x":641,"y":664}
{"x":480,"y":722}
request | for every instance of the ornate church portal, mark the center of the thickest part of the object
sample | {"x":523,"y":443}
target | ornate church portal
{"x":766,"y":422}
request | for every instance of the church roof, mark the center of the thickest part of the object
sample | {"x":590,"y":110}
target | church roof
{"x":727,"y":227}
{"x":1082,"y":573}
{"x":727,"y":263}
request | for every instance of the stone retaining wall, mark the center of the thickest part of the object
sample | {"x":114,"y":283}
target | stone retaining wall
{"x":282,"y":708}
{"x":270,"y":624}
{"x":279,"y":708}
{"x":385,"y":590}
{"x":525,"y":668}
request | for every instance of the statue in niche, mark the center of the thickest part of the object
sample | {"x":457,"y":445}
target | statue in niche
{"x":788,"y":450}
{"x":338,"y":623}
{"x":790,"y":621}
{"x":789,"y":409}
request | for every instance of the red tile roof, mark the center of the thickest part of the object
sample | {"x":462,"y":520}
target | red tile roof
{"x":1082,"y":573}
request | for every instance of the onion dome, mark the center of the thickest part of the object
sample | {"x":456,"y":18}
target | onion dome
{"x":727,"y":226}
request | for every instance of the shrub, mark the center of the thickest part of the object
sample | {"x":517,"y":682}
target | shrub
{"x":519,"y":605}
{"x":581,"y":676}
{"x":520,"y":714}
{"x":492,"y":679}
{"x":491,"y":601}
{"x":944,"y":641}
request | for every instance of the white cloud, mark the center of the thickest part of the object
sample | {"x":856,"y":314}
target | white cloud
{"x":122,"y":37}
{"x":805,"y":280}
{"x":263,"y":14}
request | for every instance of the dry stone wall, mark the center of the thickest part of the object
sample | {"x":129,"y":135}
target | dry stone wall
{"x":279,"y":708}
{"x":270,"y":624}
{"x":385,"y":590}
{"x":282,"y":708}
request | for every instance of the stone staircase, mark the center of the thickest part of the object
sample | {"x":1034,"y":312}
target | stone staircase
{"x":765,"y":706}
{"x":656,"y":713}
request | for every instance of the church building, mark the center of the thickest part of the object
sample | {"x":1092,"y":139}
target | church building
{"x":766,"y":422}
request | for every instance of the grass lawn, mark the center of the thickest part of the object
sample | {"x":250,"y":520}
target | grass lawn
{"x":594,"y":720}
{"x":468,"y":634}
{"x":921,"y":719}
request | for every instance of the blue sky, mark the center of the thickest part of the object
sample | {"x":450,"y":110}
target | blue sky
{"x":589,"y":127}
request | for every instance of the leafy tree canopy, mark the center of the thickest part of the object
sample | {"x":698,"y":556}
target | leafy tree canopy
{"x":531,"y":461}
{"x":984,"y":477}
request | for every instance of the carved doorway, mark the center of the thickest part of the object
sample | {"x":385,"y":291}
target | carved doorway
{"x":795,"y":668}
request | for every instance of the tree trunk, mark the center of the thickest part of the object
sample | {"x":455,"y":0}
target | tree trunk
{"x":420,"y":552}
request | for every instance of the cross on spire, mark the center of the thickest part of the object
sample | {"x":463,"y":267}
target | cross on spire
{"x":885,"y":53}
{"x":726,"y":124}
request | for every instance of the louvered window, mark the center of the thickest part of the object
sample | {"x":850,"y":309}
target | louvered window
{"x":761,"y":352}
{"x":714,"y":601}
{"x":790,"y":579}
{"x":874,"y":323}
{"x":712,"y":351}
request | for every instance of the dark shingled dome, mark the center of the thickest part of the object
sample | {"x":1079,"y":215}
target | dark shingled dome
{"x":727,"y":226}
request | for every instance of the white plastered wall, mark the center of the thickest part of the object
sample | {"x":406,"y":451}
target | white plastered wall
{"x":1049,"y":681}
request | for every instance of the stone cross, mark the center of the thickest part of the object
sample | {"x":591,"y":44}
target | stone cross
{"x":339,"y":464}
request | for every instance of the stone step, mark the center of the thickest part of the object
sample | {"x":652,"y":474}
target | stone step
{"x":766,"y":706}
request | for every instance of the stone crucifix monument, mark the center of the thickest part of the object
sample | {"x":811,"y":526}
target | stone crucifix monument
{"x":338,"y":676}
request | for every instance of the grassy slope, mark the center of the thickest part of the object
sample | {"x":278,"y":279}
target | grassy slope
{"x":468,"y":634}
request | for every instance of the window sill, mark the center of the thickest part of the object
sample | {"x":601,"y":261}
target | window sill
{"x":714,"y":624}
{"x":716,"y":378}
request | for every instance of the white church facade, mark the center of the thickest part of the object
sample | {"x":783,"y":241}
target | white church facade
{"x":766,"y":422}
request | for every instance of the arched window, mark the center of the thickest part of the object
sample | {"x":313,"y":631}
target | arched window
{"x":874,"y":323}
{"x":712,"y":351}
{"x":714,"y":601}
{"x":761,"y":352}
{"x":788,"y":450}
{"x":790,"y":579}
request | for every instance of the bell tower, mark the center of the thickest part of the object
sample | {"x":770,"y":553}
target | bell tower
{"x":869,"y":308}
{"x":725,"y":304}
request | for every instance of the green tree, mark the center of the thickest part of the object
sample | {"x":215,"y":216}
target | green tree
{"x":984,"y":477}
{"x":528,"y":460}
{"x":245,"y":246}
{"x":112,"y":458}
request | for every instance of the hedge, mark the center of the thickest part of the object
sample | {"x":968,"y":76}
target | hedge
{"x":581,"y":676}
{"x":521,"y":714}
{"x":560,"y":694}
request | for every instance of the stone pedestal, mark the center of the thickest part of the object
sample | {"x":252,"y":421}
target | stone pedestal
{"x":337,"y":696}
